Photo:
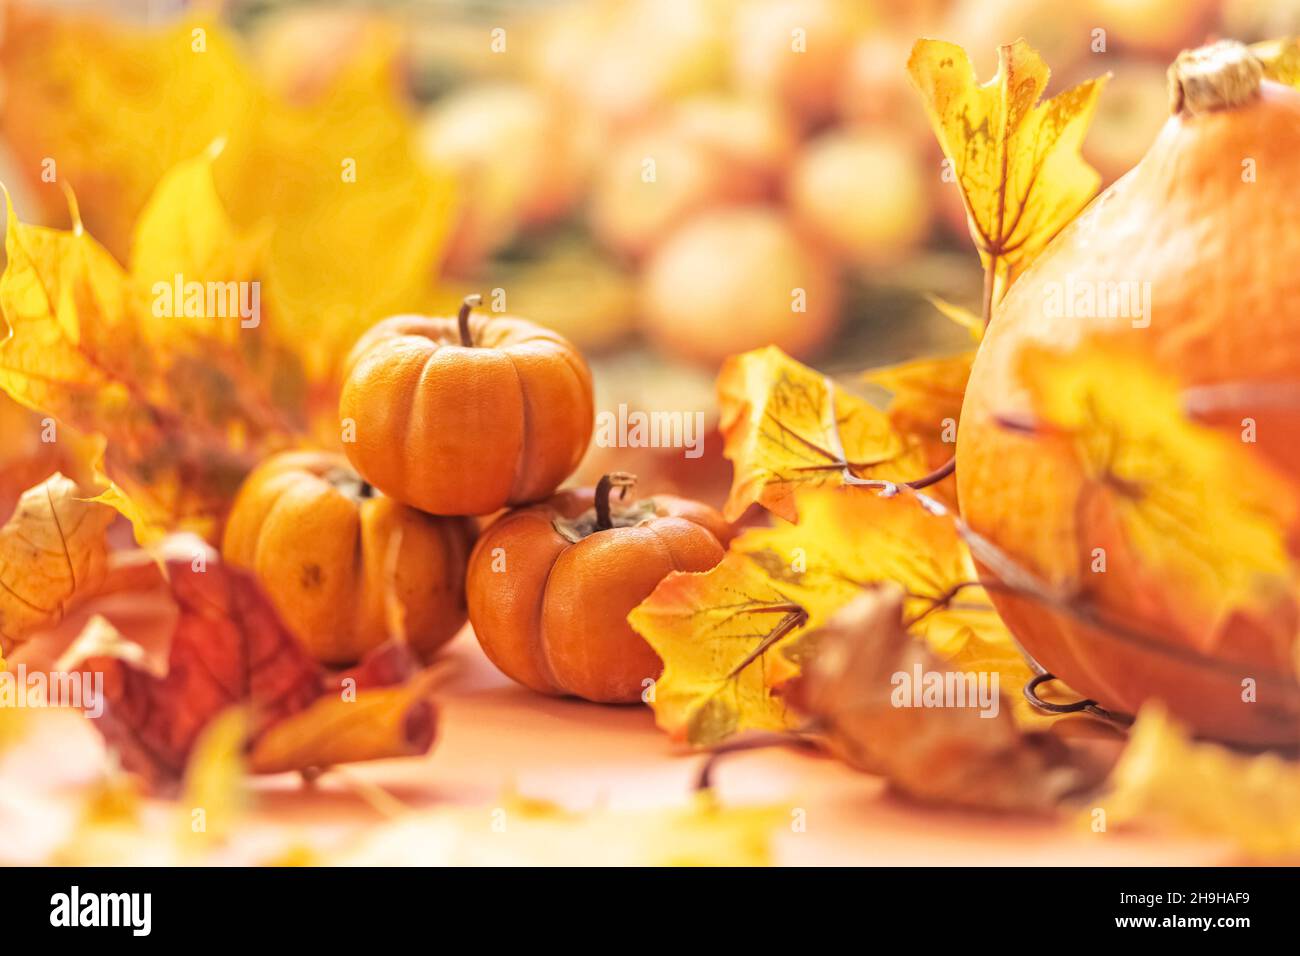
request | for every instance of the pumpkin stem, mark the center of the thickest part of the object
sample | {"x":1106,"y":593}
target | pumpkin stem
{"x":1220,"y":76}
{"x":462,"y":318}
{"x":616,"y":479}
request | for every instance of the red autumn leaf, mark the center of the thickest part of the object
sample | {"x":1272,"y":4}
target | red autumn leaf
{"x":227,"y":647}
{"x":178,"y":646}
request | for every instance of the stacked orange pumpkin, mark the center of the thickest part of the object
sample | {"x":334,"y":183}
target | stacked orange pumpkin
{"x":454,"y":418}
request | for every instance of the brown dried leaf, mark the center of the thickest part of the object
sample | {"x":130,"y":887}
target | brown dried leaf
{"x":862,"y":685}
{"x":208,"y":642}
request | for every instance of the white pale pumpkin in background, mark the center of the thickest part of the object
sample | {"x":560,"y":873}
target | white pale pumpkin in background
{"x":1155,"y":26}
{"x":861,"y":194}
{"x":874,"y":90}
{"x":738,"y":278}
{"x":1060,"y":32}
{"x":705,"y":151}
{"x":518,"y":160}
{"x":620,"y":60}
{"x":794,"y":52}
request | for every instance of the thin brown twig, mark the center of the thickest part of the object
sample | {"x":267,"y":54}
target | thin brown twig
{"x":795,"y":738}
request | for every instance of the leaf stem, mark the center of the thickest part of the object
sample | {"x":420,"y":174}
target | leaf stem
{"x":990,"y":284}
{"x":795,"y":618}
{"x":936,"y":476}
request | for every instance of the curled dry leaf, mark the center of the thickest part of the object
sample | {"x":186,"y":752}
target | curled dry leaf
{"x":341,"y":728}
{"x":53,"y":552}
{"x":209,"y":642}
{"x":1167,"y":779}
{"x":888,"y":705}
{"x":786,"y":427}
{"x":1016,"y":160}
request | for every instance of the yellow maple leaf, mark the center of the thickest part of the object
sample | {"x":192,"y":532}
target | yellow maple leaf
{"x":180,"y":426}
{"x":715,"y":632}
{"x":1016,"y":160}
{"x":730,"y":637}
{"x":1166,"y":779}
{"x":786,"y":426}
{"x":115,"y":106}
{"x":353,"y":218}
{"x":53,"y":553}
{"x":925,"y":402}
{"x":184,"y":232}
{"x":1280,"y":59}
{"x":852,"y":539}
{"x":357,"y":219}
{"x":200,"y":278}
{"x":1199,"y":511}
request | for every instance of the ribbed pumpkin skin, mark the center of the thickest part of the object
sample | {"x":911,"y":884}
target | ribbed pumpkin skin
{"x":453,"y":430}
{"x":1222,"y":257}
{"x":323,"y":555}
{"x":554,"y":618}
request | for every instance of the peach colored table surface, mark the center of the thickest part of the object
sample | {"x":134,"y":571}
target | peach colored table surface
{"x":494,"y":736}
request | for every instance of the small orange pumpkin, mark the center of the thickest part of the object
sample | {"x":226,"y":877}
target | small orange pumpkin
{"x":332,"y":555}
{"x":465,"y":416}
{"x":550,"y":586}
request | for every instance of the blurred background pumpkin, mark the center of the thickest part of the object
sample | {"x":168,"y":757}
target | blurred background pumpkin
{"x":655,"y":178}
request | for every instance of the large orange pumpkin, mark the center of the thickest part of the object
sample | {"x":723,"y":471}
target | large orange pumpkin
{"x":1220,"y":250}
{"x":333,"y":556}
{"x":465,"y":415}
{"x":550,"y":587}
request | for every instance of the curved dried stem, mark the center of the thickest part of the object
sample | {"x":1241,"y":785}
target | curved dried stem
{"x":467,"y":305}
{"x":615,"y":479}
